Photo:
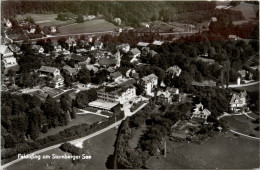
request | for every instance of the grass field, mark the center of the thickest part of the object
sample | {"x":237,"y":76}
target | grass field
{"x":99,"y":147}
{"x":223,"y":151}
{"x":48,"y":20}
{"x":248,"y":10}
{"x":97,"y":25}
{"x":242,"y":124}
{"x":87,"y":118}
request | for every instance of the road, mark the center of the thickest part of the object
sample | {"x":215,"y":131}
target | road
{"x":241,"y":85}
{"x":76,"y":141}
{"x":66,"y":35}
{"x":72,"y":142}
{"x":245,"y":135}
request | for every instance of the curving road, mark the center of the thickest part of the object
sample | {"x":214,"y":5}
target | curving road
{"x":72,"y":142}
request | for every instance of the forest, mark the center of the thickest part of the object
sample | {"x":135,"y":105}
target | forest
{"x":129,"y":12}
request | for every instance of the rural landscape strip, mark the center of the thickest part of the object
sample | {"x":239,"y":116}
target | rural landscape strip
{"x":58,"y":145}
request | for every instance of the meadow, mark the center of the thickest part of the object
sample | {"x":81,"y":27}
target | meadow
{"x":97,"y":25}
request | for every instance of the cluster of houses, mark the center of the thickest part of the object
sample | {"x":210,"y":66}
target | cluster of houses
{"x":121,"y":89}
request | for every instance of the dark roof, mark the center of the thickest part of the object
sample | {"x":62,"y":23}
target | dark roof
{"x":78,"y":58}
{"x":47,"y":69}
{"x":116,"y":74}
{"x":107,"y":61}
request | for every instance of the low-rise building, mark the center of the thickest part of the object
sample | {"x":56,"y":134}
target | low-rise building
{"x":5,"y":51}
{"x":159,"y":43}
{"x":116,"y":76}
{"x":49,"y":71}
{"x":143,"y":44}
{"x":238,"y":101}
{"x":69,"y":70}
{"x":174,"y":71}
{"x":164,"y":96}
{"x":10,"y":62}
{"x":57,"y":81}
{"x":200,"y":112}
{"x":124,"y":47}
{"x":37,"y":49}
{"x":150,"y":82}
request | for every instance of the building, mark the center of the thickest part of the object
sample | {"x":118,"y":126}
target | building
{"x":143,"y":44}
{"x":53,"y":29}
{"x":92,"y":67}
{"x":124,"y":47}
{"x":110,"y":96}
{"x":69,"y":70}
{"x":49,"y":71}
{"x":57,"y":81}
{"x":150,"y":82}
{"x":8,"y":23}
{"x":110,"y":60}
{"x":116,"y":76}
{"x":9,"y":62}
{"x":200,"y":112}
{"x":98,"y":44}
{"x":164,"y":97}
{"x":238,"y":101}
{"x":71,"y":42}
{"x":174,"y":71}
{"x":37,"y":49}
{"x":234,"y":37}
{"x":5,"y":51}
{"x":118,"y":21}
{"x":159,"y":43}
{"x":135,"y":53}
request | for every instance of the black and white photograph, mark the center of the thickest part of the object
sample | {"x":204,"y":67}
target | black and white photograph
{"x":134,"y":84}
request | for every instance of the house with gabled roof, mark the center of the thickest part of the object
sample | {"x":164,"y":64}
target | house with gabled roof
{"x":57,"y":81}
{"x":200,"y":112}
{"x":116,"y":76}
{"x":69,"y":70}
{"x":5,"y":51}
{"x":49,"y":71}
{"x":164,"y":96}
{"x":174,"y":71}
{"x":37,"y":48}
{"x":238,"y":101}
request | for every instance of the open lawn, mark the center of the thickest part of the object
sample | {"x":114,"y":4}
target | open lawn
{"x":242,"y":124}
{"x":48,"y":20}
{"x":248,"y":10}
{"x":224,"y":151}
{"x":99,"y":147}
{"x":96,"y":25}
{"x":80,"y":119}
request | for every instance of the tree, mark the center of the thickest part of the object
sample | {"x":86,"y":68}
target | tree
{"x":52,"y":111}
{"x":80,"y":19}
{"x":84,"y":97}
{"x":66,"y":102}
{"x":83,"y":76}
{"x":33,"y":128}
{"x":67,"y":80}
